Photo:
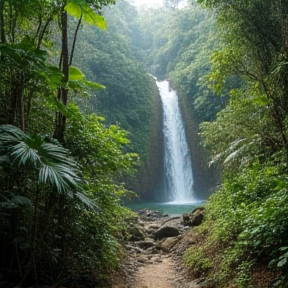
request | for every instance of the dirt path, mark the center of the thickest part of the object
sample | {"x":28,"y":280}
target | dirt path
{"x":159,"y":273}
{"x":158,"y":263}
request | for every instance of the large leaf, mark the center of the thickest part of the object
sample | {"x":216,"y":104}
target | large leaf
{"x":60,"y":176}
{"x":52,"y":162}
{"x":82,"y":9}
{"x":16,"y":201}
{"x":87,"y":201}
{"x":93,"y":84}
{"x":77,"y":80}
{"x":10,"y":133}
{"x":24,"y":56}
{"x":75,"y":73}
{"x":52,"y":75}
{"x":23,"y":153}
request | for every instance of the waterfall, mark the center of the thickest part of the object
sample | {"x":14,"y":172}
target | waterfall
{"x":177,"y":160}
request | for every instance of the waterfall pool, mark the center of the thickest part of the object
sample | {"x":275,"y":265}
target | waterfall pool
{"x":170,"y":208}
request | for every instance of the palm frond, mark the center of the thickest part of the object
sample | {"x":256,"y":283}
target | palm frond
{"x":56,"y":154}
{"x":244,"y":144}
{"x":22,"y":154}
{"x":87,"y":201}
{"x":52,"y":162}
{"x":60,"y":176}
{"x":11,"y":133}
{"x":235,"y":149}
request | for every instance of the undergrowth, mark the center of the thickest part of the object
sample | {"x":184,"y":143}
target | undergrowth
{"x":243,"y":241}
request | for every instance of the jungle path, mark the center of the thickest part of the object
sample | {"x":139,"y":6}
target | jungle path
{"x":155,"y":254}
{"x":158,"y":274}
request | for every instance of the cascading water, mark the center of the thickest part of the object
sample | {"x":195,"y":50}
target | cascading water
{"x":177,"y":160}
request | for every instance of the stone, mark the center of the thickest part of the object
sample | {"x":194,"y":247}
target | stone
{"x":201,"y":209}
{"x":195,"y":218}
{"x":145,"y":244}
{"x":186,"y":219}
{"x":166,"y":231}
{"x":153,"y":227}
{"x":169,"y":243}
{"x":136,"y":232}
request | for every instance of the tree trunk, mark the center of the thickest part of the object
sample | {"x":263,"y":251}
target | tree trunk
{"x":2,"y":30}
{"x":63,"y":91}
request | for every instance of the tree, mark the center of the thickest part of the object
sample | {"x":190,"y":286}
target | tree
{"x":24,"y":68}
{"x":83,"y":12}
{"x":41,"y":168}
{"x":256,"y":51}
{"x":249,"y":140}
{"x":130,"y":95}
{"x":54,"y":226}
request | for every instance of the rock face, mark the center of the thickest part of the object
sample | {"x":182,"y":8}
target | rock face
{"x":195,"y":218}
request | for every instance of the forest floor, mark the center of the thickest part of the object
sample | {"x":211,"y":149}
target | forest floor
{"x":157,"y":264}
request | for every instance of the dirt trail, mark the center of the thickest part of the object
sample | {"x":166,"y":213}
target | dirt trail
{"x":159,"y":273}
{"x":158,"y":263}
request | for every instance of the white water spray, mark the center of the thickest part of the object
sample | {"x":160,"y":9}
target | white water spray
{"x":177,"y":160}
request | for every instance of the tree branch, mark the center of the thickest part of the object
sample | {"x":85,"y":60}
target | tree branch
{"x":75,"y":38}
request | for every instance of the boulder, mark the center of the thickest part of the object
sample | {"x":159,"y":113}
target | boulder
{"x":195,"y":218}
{"x":169,"y":243}
{"x":201,"y":209}
{"x":166,"y":231}
{"x":186,"y":219}
{"x":145,"y":244}
{"x":150,"y":214}
{"x":136,"y":232}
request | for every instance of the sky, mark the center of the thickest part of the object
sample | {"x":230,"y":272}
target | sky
{"x":149,"y":3}
{"x":152,"y":3}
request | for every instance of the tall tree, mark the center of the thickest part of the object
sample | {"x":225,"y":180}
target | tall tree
{"x":83,"y":11}
{"x":257,"y":52}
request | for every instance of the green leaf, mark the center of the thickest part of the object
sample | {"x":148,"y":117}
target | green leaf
{"x":52,"y":162}
{"x":75,"y":73}
{"x":80,"y":9}
{"x":53,"y":76}
{"x":93,"y":84}
{"x":15,"y":201}
{"x":22,"y":154}
{"x":87,"y":201}
{"x":11,"y":133}
{"x":77,"y":80}
{"x":282,"y":262}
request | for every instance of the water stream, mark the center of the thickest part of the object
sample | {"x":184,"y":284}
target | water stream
{"x":177,"y":160}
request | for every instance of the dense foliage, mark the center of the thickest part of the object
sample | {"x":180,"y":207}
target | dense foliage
{"x":130,"y":95}
{"x":229,"y":65}
{"x":244,"y":238}
{"x":178,"y":48}
{"x":108,"y":58}
{"x":62,"y":166}
{"x":61,"y":221}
